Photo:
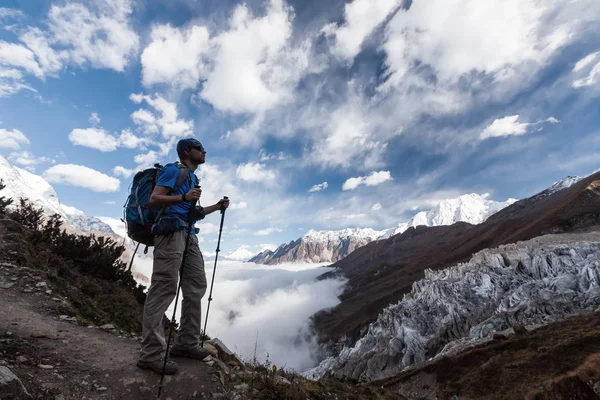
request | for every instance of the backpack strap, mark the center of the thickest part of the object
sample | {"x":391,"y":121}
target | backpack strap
{"x":184,"y":174}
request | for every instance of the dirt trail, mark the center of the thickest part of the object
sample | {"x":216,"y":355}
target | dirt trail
{"x":56,"y":358}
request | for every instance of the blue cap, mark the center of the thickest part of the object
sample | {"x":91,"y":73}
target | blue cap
{"x":187,"y":144}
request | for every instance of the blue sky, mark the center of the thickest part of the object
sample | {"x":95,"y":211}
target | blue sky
{"x":394,"y":104}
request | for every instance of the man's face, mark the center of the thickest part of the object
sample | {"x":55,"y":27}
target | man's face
{"x":198,"y":154}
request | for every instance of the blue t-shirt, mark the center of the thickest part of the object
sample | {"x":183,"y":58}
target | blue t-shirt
{"x":168,"y":178}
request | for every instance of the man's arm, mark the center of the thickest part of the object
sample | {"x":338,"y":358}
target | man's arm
{"x":223,"y":203}
{"x":161,"y":198}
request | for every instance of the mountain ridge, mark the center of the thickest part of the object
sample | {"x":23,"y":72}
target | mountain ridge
{"x":381,"y":272}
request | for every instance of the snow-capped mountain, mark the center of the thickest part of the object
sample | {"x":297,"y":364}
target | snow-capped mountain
{"x":329,"y":246}
{"x":471,"y":208}
{"x":23,"y":184}
{"x":242,"y":253}
{"x":319,"y":246}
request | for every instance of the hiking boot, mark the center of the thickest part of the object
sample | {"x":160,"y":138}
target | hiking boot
{"x":197,"y":353}
{"x":157,"y":366}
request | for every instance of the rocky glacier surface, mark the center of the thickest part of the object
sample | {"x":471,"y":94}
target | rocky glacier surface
{"x":527,"y":283}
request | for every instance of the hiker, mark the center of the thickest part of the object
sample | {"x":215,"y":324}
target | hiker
{"x":171,"y":232}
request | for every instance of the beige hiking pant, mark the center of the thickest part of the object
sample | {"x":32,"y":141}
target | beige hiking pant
{"x":168,"y":254}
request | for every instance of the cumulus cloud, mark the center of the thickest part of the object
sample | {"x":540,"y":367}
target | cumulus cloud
{"x":419,"y":35}
{"x":254,"y":172}
{"x":376,"y":207}
{"x":98,"y":35}
{"x":94,"y":138}
{"x":250,"y":67}
{"x":146,"y":159}
{"x":81,"y":176}
{"x":373,"y":179}
{"x":122,"y":171}
{"x":174,"y":56}
{"x":27,"y":159}
{"x":12,"y":139}
{"x":130,"y":141}
{"x":267,"y":231}
{"x":510,"y":126}
{"x":361,"y":17}
{"x":99,"y":139}
{"x":164,"y":119}
{"x":318,"y":187}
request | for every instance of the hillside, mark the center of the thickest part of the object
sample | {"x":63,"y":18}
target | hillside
{"x":381,"y":272}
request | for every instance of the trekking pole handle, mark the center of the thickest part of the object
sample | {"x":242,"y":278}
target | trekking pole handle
{"x":223,"y":209}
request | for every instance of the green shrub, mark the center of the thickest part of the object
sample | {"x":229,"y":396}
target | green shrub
{"x":85,"y":269}
{"x":4,"y":202}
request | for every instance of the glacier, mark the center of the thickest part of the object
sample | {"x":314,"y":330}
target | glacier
{"x":527,"y":283}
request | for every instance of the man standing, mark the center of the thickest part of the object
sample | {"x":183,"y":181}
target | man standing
{"x":171,"y":233}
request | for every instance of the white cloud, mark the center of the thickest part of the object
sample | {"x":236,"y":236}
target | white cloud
{"x":94,"y":138}
{"x":128,"y":140}
{"x":267,"y":231}
{"x":96,"y":35}
{"x":26,"y":159}
{"x":250,"y":67}
{"x":373,"y":179}
{"x":376,"y":207}
{"x":267,"y":310}
{"x":12,"y":139}
{"x":254,"y":172}
{"x":122,"y":171}
{"x":585,"y":61}
{"x":254,"y":65}
{"x":10,"y":13}
{"x":264,"y":156}
{"x":509,"y":126}
{"x":94,"y":119}
{"x":320,"y":186}
{"x":81,"y":176}
{"x":110,"y":202}
{"x":501,"y":39}
{"x":99,"y":35}
{"x":238,"y":206}
{"x":593,"y":76}
{"x":165,"y":121}
{"x":361,"y":17}
{"x":11,"y":82}
{"x":267,"y":246}
{"x":16,"y":55}
{"x":146,"y":159}
{"x":174,"y":56}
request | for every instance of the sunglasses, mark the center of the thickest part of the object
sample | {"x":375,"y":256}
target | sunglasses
{"x":199,"y":148}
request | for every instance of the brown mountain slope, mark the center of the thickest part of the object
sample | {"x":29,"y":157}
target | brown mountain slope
{"x":381,"y":272}
{"x":557,"y":361}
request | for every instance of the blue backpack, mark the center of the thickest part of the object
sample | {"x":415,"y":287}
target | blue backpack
{"x":139,"y":218}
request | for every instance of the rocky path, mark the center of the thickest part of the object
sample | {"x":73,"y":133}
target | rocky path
{"x":56,"y":358}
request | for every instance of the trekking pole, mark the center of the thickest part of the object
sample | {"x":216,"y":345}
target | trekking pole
{"x":160,"y":385}
{"x":212,"y":283}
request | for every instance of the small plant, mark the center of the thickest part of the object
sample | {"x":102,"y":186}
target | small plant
{"x":4,"y":202}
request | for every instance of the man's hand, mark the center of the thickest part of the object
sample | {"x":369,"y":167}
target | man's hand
{"x":223,"y":203}
{"x":193,"y":194}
